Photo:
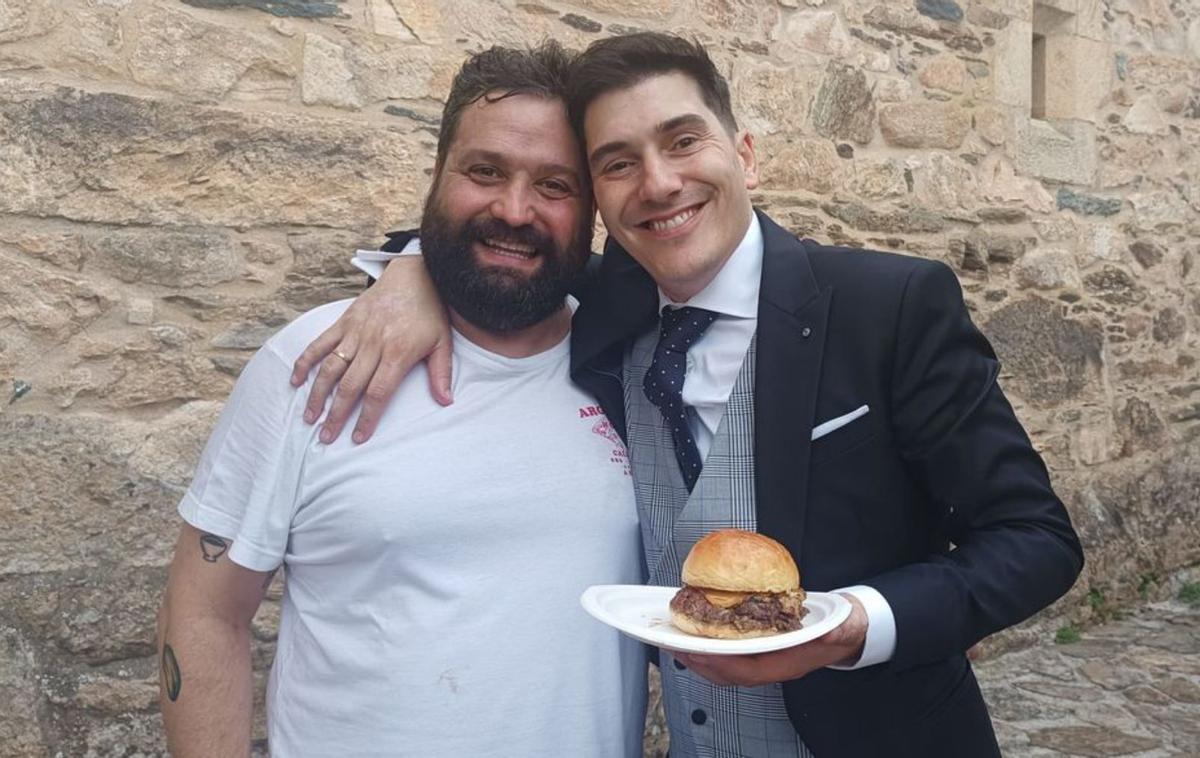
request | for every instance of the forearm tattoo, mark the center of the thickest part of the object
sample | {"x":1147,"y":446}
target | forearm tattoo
{"x":212,"y":547}
{"x":172,"y":679}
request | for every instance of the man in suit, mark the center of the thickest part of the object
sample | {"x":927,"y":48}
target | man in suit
{"x":840,"y":401}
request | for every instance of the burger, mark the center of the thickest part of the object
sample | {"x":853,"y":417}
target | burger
{"x":737,"y":585}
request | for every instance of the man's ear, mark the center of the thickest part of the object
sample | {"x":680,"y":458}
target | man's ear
{"x":744,"y":145}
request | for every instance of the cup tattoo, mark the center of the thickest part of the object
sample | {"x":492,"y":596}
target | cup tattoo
{"x":213,"y":547}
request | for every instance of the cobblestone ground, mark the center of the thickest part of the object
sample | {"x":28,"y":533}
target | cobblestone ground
{"x":1127,"y":688}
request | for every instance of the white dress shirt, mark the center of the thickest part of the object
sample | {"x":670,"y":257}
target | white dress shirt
{"x":713,"y":364}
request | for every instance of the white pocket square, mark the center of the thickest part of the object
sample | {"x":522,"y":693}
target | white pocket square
{"x":833,"y":424}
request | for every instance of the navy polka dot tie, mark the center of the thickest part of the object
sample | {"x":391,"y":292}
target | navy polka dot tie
{"x":663,"y":384}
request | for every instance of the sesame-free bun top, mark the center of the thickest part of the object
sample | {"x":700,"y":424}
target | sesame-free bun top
{"x":738,"y":561}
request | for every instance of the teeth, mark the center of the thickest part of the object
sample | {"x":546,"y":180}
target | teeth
{"x":516,"y":248}
{"x":674,"y":221}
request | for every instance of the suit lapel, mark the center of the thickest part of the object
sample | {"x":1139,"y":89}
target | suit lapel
{"x":623,"y":304}
{"x":792,"y":317}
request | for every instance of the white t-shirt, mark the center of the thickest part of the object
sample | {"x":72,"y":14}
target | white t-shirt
{"x":434,"y":573}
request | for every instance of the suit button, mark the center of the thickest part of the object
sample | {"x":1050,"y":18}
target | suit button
{"x":699,"y":717}
{"x":679,"y":666}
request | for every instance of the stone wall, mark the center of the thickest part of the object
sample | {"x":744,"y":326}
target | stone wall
{"x":178,"y":178}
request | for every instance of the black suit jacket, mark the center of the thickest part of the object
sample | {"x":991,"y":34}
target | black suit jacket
{"x":935,"y":498}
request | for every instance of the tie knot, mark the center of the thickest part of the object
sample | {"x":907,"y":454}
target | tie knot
{"x":683,"y":326}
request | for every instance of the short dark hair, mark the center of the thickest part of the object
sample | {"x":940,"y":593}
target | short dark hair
{"x":540,"y":71}
{"x":616,"y":63}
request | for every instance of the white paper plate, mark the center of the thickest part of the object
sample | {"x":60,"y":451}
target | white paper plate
{"x":644,"y":614}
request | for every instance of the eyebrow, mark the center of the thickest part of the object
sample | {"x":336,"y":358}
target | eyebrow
{"x":491,"y":156}
{"x":670,"y":125}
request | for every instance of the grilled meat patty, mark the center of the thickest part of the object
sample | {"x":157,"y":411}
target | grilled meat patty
{"x":781,"y":612}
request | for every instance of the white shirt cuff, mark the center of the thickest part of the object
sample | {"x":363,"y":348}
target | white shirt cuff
{"x":880,"y":644}
{"x":373,"y":262}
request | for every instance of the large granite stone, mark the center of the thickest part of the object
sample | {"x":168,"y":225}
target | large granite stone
{"x":88,"y":157}
{"x":179,"y":259}
{"x":1063,"y":151}
{"x":924,"y":124}
{"x":52,"y":304}
{"x":809,"y":164}
{"x":75,"y":501}
{"x":844,"y":107}
{"x":862,"y":217}
{"x":1048,"y":359}
{"x":198,"y":59}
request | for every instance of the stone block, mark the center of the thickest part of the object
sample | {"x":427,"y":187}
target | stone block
{"x":80,"y":495}
{"x":844,"y":107}
{"x":91,"y":156}
{"x":175,"y":51}
{"x":1048,"y":268}
{"x":1160,"y":210}
{"x":998,"y":182}
{"x":140,"y":311}
{"x":892,"y":90}
{"x":859,"y":216}
{"x":1094,"y":440}
{"x":820,"y":32}
{"x":22,"y":19}
{"x":364,"y":70}
{"x":408,"y":20}
{"x":1097,"y":243}
{"x":327,"y":78}
{"x":1063,"y":151}
{"x":1146,"y":252}
{"x":628,"y":8}
{"x":282,"y":8}
{"x":920,"y":124}
{"x":1145,"y":116}
{"x":945,"y":72}
{"x":1012,"y":65}
{"x":1114,"y":286}
{"x":940,"y":10}
{"x":50,"y":304}
{"x":20,"y":731}
{"x":1049,"y":360}
{"x":944,"y":182}
{"x":746,"y":18}
{"x":1087,"y":205}
{"x":169,"y":258}
{"x":811,"y":165}
{"x":878,"y":179}
{"x":1078,"y":77}
{"x":770,"y":100}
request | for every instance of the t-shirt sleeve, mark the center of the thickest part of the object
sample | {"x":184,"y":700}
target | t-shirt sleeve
{"x":247,"y":483}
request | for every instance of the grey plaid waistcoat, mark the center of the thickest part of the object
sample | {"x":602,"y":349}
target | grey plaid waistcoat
{"x":704,"y":720}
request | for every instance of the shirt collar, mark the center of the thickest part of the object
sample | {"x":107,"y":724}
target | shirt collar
{"x":734,"y":290}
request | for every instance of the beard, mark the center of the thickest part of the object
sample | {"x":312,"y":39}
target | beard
{"x":493,"y":298}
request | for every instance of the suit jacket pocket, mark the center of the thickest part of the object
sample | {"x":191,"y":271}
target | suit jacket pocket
{"x":843,"y":439}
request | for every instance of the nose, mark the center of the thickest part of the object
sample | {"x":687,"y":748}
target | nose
{"x":514,"y":204}
{"x":659,"y":180}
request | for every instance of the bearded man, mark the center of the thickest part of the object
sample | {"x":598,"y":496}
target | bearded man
{"x":431,"y":604}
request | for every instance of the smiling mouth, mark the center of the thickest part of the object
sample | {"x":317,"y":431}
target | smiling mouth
{"x":510,"y":248}
{"x":674,"y":222}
